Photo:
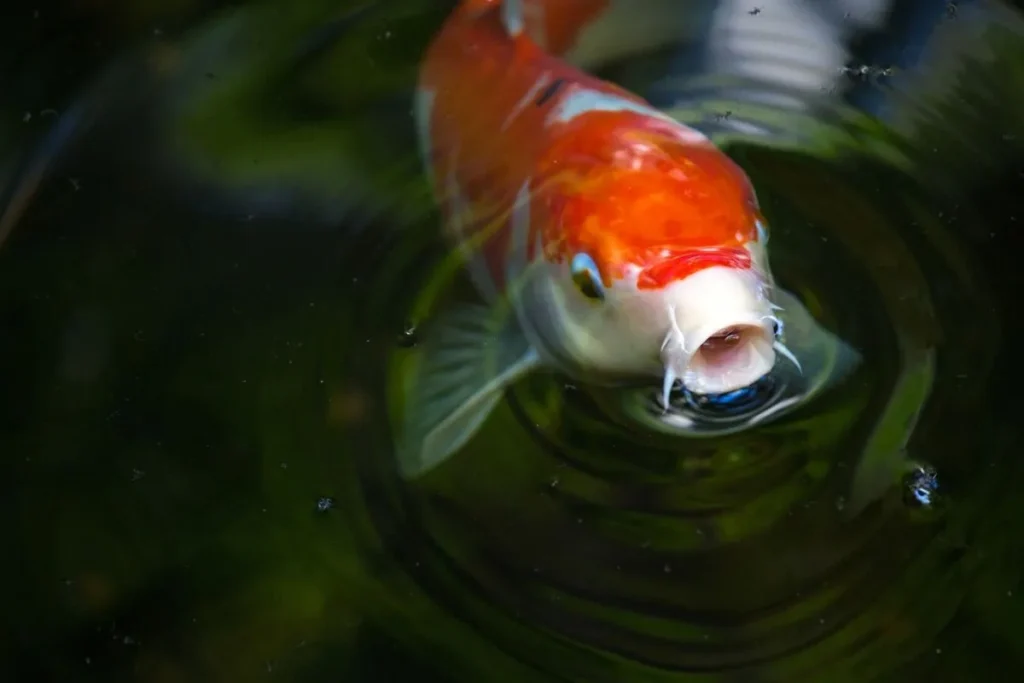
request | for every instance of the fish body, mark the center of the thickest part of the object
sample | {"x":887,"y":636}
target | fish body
{"x":619,"y":242}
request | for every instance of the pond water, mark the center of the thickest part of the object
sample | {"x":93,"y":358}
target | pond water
{"x":218,"y":252}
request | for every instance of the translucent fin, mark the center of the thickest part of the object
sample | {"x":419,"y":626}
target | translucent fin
{"x":467,"y":360}
{"x":815,"y":353}
{"x":884,"y":458}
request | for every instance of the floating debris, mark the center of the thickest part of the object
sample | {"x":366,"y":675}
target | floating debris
{"x":920,"y":485}
{"x":409,"y":336}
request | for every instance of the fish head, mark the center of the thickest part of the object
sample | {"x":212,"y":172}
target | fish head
{"x":714,"y":329}
{"x":660,"y":269}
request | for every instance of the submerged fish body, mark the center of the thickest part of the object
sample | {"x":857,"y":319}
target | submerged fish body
{"x":618,"y":242}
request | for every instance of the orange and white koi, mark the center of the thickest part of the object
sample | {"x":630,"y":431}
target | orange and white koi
{"x":624,"y":243}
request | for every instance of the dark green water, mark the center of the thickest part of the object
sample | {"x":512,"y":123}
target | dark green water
{"x":206,"y":299}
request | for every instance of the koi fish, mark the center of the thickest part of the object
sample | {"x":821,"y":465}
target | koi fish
{"x":607,"y":240}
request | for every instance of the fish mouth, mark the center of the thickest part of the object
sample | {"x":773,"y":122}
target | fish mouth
{"x":719,"y":360}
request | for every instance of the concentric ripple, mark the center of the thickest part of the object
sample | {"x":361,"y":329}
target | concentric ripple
{"x":592,"y":541}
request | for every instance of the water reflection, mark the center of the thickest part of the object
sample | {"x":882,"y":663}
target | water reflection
{"x":199,"y":367}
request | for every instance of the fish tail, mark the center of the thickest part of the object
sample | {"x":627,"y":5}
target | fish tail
{"x":552,"y":24}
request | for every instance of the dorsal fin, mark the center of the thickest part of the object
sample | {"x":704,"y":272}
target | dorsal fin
{"x":513,"y":12}
{"x":512,"y":15}
{"x":553,"y":24}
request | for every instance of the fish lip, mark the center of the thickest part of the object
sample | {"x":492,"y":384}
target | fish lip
{"x":679,"y":356}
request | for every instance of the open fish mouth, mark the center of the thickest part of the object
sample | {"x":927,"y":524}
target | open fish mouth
{"x":703,"y":414}
{"x":731,"y":359}
{"x":720,"y":360}
{"x":808,"y":360}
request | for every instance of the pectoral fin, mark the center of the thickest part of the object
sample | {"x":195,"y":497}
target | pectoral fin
{"x":884,"y":458}
{"x":468,"y":358}
{"x":821,"y":358}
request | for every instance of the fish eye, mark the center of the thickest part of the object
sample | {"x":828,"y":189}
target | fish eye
{"x":586,"y":276}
